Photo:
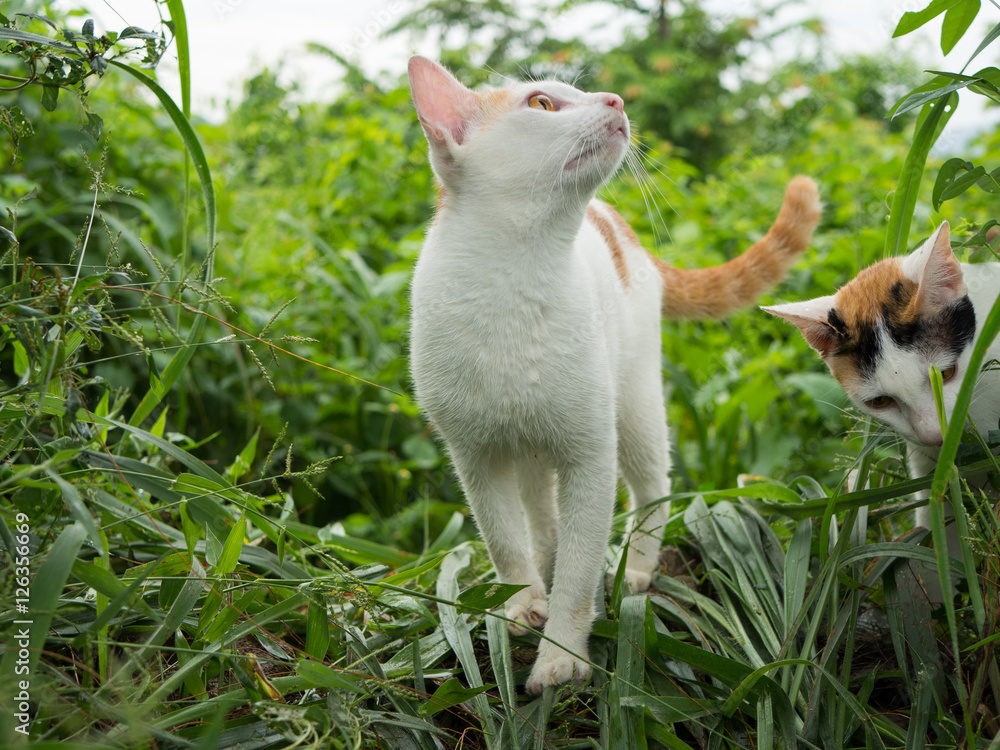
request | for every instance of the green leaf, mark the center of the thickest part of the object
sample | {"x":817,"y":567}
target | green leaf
{"x":957,"y":20}
{"x":119,"y":595}
{"x":913,"y":20}
{"x":627,"y":718}
{"x":244,"y":461}
{"x":50,"y":94}
{"x":321,"y":675}
{"x":498,"y":638}
{"x":797,"y":559}
{"x":94,"y":126}
{"x":24,"y":36}
{"x":182,"y":456}
{"x":931,"y":122}
{"x":456,"y":630}
{"x":488,"y":595}
{"x":79,"y":511}
{"x":179,"y":19}
{"x":317,"y":627}
{"x":987,"y":41}
{"x":449,"y":694}
{"x":948,"y":186}
{"x":230,"y":556}
{"x":193,"y":146}
{"x":21,"y":361}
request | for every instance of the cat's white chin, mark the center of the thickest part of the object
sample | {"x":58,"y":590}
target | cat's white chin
{"x":611,"y":150}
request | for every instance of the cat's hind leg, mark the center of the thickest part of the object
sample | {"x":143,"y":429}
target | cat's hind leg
{"x":644,"y":457}
{"x":536,"y":480}
{"x":491,"y":489}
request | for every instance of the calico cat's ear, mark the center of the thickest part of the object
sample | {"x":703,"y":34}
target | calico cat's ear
{"x":444,"y":105}
{"x":934,"y":267}
{"x":812,"y":318}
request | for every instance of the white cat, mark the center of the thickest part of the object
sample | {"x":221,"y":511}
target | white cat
{"x":536,"y":339}
{"x":882,"y":331}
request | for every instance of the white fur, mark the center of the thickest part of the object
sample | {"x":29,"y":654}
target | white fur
{"x":538,"y":367}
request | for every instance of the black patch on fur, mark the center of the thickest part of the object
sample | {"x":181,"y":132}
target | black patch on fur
{"x":952,"y":329}
{"x":836,"y":322}
{"x":867,"y":349}
{"x":861,"y":345}
{"x":902,"y":334}
{"x":900,"y":294}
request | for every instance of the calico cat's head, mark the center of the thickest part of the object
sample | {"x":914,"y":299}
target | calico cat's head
{"x":533,"y":142}
{"x":882,"y":331}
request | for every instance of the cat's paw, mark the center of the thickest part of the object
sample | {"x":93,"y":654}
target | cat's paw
{"x":526,"y":609}
{"x":637,"y":580}
{"x":554,"y":667}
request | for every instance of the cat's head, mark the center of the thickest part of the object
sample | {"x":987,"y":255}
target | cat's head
{"x":881,"y":332}
{"x":533,"y":142}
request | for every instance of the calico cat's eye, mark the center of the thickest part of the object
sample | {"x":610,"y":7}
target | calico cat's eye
{"x":880,"y":402}
{"x":539,"y":101}
{"x":948,"y":373}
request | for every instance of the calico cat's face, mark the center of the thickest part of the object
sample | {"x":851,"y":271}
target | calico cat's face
{"x":535,"y":142}
{"x":882,"y":331}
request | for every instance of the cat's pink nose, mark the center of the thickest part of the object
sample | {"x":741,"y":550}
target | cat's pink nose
{"x":614,"y":101}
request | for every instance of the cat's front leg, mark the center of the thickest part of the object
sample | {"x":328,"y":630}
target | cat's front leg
{"x":536,"y":480}
{"x":922,"y":461}
{"x":921,"y":464}
{"x":586,"y":500}
{"x":491,"y":489}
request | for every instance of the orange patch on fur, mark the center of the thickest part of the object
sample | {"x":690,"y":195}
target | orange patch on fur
{"x":493,"y":105}
{"x":606,"y":227}
{"x":845,"y":370}
{"x":879,"y":291}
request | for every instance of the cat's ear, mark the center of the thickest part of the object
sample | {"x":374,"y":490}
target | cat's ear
{"x":812,"y":318}
{"x":444,"y":105}
{"x":934,"y":267}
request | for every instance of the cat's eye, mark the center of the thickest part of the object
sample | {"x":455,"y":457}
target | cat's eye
{"x":538,"y":101}
{"x":949,"y":373}
{"x":880,"y":402}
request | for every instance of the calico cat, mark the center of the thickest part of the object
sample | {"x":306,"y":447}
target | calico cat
{"x":881,"y":332}
{"x":536,"y":339}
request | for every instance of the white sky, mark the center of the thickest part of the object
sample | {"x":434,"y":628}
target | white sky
{"x":232,"y":39}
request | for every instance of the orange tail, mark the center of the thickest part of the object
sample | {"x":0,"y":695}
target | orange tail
{"x":718,"y":291}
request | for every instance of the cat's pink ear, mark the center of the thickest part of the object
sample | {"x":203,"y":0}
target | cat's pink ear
{"x":444,"y":105}
{"x":812,"y":318}
{"x":937,"y":271}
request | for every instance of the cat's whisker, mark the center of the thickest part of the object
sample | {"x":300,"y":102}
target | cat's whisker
{"x":584,"y":71}
{"x":646,"y":188}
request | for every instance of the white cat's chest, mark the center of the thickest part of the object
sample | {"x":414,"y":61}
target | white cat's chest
{"x":515,"y":340}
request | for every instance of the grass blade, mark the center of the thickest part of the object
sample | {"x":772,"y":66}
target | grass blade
{"x":628,"y":721}
{"x":933,"y":118}
{"x":503,"y":671}
{"x":456,"y":631}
